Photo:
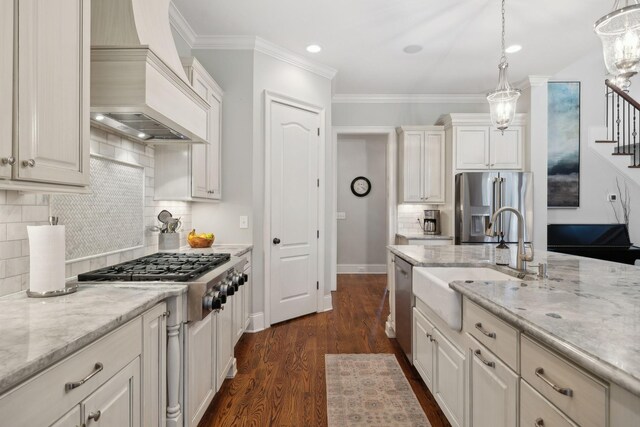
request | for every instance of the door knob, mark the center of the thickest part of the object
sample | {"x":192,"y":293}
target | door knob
{"x":276,"y":241}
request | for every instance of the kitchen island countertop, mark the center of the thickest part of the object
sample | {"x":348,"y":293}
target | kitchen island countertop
{"x":35,"y":333}
{"x":587,"y":310}
{"x":236,"y":250}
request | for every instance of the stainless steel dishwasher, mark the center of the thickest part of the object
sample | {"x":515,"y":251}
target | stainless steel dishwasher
{"x":404,"y":306}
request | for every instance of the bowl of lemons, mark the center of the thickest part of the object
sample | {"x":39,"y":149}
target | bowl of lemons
{"x":202,"y":240}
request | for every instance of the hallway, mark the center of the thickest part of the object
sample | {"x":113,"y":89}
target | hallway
{"x":281,"y":375}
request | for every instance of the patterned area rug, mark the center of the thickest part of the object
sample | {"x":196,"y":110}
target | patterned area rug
{"x":370,"y":390}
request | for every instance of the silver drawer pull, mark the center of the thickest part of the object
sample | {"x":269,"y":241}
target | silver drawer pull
{"x":97,"y":368}
{"x":561,"y":390}
{"x":483,"y":360}
{"x":481,"y":329}
{"x":95,"y":416}
{"x":539,"y":423}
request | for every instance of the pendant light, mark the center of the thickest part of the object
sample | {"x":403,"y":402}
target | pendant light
{"x":619,"y":32}
{"x":503,"y":100}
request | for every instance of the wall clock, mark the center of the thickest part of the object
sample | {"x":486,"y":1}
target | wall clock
{"x":360,"y":186}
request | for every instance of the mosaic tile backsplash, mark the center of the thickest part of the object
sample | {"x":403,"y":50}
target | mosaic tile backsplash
{"x":18,"y":209}
{"x":110,"y":218}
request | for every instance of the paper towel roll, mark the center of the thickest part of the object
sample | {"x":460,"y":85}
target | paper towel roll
{"x":46,"y":258}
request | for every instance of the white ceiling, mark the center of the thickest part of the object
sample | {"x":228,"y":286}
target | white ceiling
{"x":364,"y":39}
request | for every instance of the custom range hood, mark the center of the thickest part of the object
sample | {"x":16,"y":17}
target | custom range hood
{"x":138,"y":85}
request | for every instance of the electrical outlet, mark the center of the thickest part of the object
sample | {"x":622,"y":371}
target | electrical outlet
{"x":341,"y":215}
{"x":244,"y":221}
{"x":612,"y":197}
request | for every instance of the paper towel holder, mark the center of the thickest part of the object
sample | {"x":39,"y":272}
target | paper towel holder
{"x":68,"y":289}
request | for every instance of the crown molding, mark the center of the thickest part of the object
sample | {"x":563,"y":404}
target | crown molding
{"x":285,"y":55}
{"x":534,"y":81}
{"x":225,"y":42}
{"x":177,"y":20}
{"x":409,"y":99}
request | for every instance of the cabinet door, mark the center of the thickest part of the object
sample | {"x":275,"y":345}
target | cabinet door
{"x":423,"y":347}
{"x":472,"y":147}
{"x":224,"y":342}
{"x":154,"y":367}
{"x":238,"y":323}
{"x":433,"y":167}
{"x":199,"y":184}
{"x":70,"y":419}
{"x":117,"y":402}
{"x":53,"y":91}
{"x":412,"y":177}
{"x":200,"y":376}
{"x":247,"y":299}
{"x":506,"y":149}
{"x":448,"y":387}
{"x":6,"y":85}
{"x":214,"y":163}
{"x":494,"y":390}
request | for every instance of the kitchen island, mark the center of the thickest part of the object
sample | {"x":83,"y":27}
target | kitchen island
{"x":586,"y":310}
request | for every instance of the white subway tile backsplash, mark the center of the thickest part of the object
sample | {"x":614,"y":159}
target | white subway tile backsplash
{"x":16,"y":230}
{"x":35,"y":213}
{"x":16,"y":266}
{"x":10,"y":249}
{"x":107,"y":150}
{"x":10,"y":213}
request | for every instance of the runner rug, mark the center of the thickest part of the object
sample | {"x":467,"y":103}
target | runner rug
{"x":370,"y":390}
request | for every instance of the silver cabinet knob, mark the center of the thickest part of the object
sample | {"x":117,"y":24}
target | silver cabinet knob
{"x":28,"y":163}
{"x":95,"y":416}
{"x":8,"y":160}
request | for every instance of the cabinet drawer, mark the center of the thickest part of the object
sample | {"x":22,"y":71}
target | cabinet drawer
{"x":493,"y":333}
{"x":579,"y":395}
{"x":47,"y":391}
{"x":535,"y":410}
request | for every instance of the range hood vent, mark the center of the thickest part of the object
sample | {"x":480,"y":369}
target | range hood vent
{"x":138,"y":86}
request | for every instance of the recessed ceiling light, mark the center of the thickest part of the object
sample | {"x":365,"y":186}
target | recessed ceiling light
{"x":313,"y":48}
{"x":412,"y":48}
{"x":513,"y":48}
{"x":99,"y":117}
{"x":142,"y":135}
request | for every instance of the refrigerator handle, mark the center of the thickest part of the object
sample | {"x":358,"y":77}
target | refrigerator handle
{"x":499,"y":205}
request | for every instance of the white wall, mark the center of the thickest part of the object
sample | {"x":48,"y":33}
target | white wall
{"x":362,"y":236}
{"x":597,"y":176}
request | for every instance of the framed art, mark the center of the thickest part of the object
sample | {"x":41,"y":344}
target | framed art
{"x":563,"y":167}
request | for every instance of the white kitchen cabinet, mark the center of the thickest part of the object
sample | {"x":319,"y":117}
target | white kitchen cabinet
{"x":248,"y":292}
{"x":154,"y":366}
{"x":422,"y":164}
{"x":201,"y":375}
{"x":423,"y":347}
{"x":70,"y":419}
{"x":193,"y":172}
{"x":478,"y":146}
{"x":225,"y":341}
{"x":52,"y":72}
{"x":448,"y":381}
{"x":6,"y":84}
{"x":493,"y":392}
{"x":238,"y":314}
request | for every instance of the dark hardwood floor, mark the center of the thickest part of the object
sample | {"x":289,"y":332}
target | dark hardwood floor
{"x":281,"y":376}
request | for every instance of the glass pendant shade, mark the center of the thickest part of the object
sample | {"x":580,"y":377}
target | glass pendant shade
{"x":502,"y":101}
{"x":619,"y":32}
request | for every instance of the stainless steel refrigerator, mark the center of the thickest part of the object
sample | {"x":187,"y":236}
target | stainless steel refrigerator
{"x":479,"y":194}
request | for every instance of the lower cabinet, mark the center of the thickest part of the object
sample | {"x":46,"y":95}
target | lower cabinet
{"x":225,"y":341}
{"x":248,"y":293}
{"x":423,"y":347}
{"x":238,"y":313}
{"x":154,"y":366}
{"x":493,"y":390}
{"x":200,"y":348}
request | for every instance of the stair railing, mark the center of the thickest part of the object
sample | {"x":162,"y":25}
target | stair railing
{"x":622,"y":116}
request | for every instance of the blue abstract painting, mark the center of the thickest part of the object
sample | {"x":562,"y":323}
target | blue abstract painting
{"x":564,"y":145}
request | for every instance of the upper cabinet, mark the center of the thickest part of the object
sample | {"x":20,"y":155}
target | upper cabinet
{"x":422,"y":164}
{"x":48,"y":149}
{"x":193,"y":172}
{"x":478,"y":146}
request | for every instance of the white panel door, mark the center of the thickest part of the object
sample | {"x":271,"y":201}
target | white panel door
{"x":117,"y":402}
{"x":448,"y":385}
{"x":224,"y":342}
{"x":200,"y":367}
{"x":434,"y":168}
{"x":494,"y":390}
{"x":6,"y":85}
{"x":423,"y":347}
{"x":199,"y":171}
{"x":294,"y":211}
{"x":214,"y":149}
{"x":506,"y":150}
{"x":472,"y":147}
{"x":413,"y":171}
{"x":53,"y":120}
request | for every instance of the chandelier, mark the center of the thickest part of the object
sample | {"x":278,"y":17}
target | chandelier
{"x":619,"y":32}
{"x":503,"y":100}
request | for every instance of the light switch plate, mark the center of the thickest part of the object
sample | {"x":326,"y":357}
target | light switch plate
{"x":341,"y":215}
{"x":244,"y":221}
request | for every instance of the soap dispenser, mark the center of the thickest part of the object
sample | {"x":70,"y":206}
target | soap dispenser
{"x":503,"y":254}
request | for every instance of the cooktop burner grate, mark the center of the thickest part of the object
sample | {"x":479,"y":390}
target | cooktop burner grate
{"x":176,"y":267}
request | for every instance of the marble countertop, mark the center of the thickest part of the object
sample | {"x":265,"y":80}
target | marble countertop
{"x":236,"y":250}
{"x":587,"y":310}
{"x":422,"y":236}
{"x":35,"y":333}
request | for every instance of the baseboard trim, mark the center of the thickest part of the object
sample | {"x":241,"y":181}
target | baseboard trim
{"x":328,"y":303}
{"x":362,"y":269}
{"x":256,"y":323}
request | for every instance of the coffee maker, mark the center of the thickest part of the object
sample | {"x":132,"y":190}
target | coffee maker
{"x":431,"y":222}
